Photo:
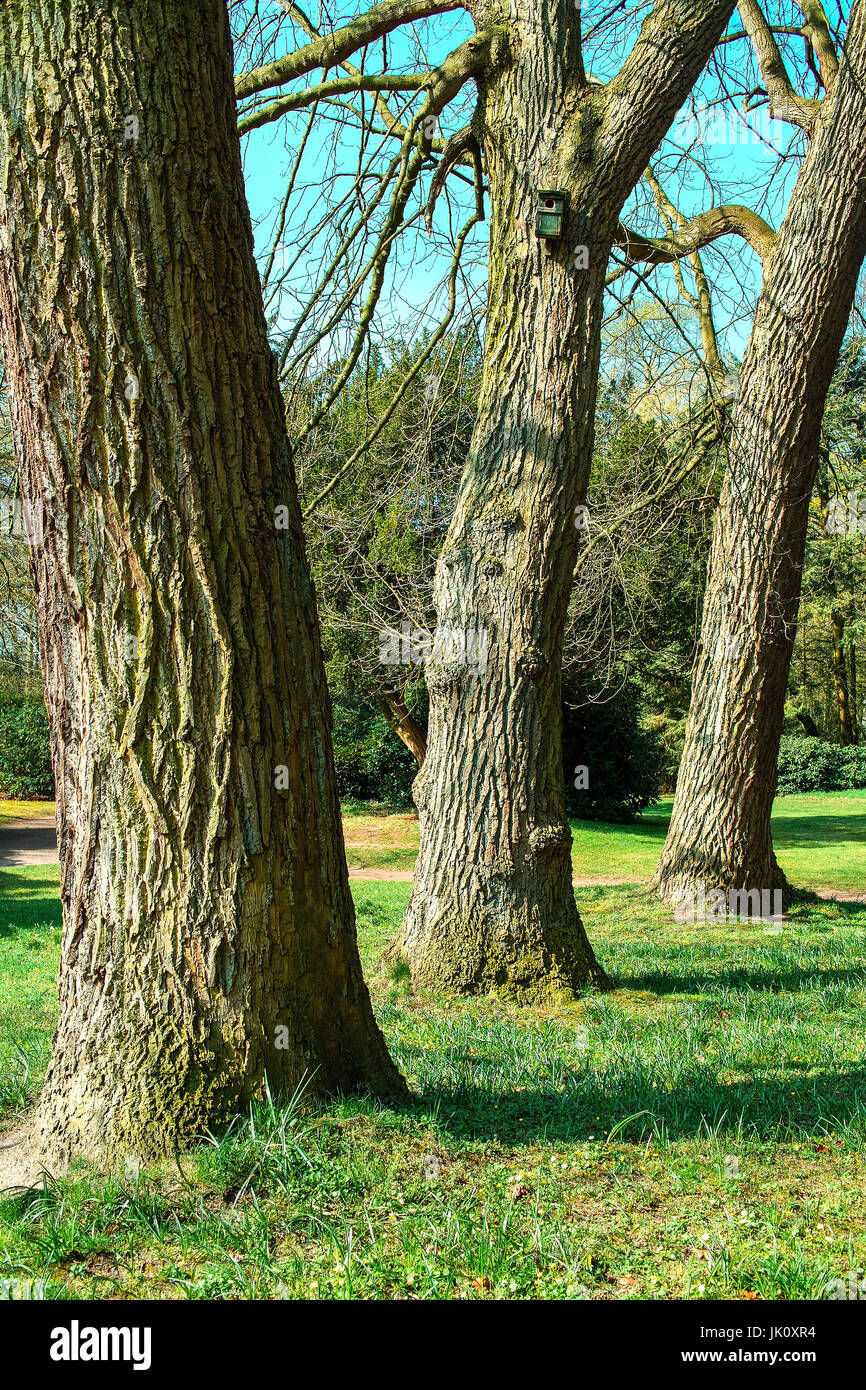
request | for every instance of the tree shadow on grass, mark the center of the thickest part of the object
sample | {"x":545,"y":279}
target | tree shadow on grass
{"x":649,"y":828}
{"x":768,"y":979}
{"x":804,"y":899}
{"x":796,"y":832}
{"x":625,"y":1107}
{"x":40,"y":908}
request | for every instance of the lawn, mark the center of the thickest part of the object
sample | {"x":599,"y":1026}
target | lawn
{"x":386,"y":839}
{"x":698,"y":1133}
{"x":820,"y":841}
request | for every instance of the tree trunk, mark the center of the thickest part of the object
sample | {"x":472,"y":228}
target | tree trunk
{"x":840,"y":681}
{"x":492,"y":904}
{"x":809,"y":727}
{"x":209,"y":948}
{"x":720,"y":828}
{"x":393,"y":706}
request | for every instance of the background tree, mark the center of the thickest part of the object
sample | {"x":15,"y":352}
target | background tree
{"x":720,"y":827}
{"x":375,"y":529}
{"x":635,"y":607}
{"x":826,"y":684}
{"x":375,"y":539}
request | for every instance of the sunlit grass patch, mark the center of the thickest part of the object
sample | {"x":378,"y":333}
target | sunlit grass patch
{"x":24,"y":810}
{"x":820,"y":840}
{"x":29,"y":949}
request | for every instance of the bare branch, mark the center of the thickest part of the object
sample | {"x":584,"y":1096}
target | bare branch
{"x":818,"y":32}
{"x":338,"y":86}
{"x":423,"y":357}
{"x":329,"y":50}
{"x":729,"y":220}
{"x":392,"y":125}
{"x":462,"y":144}
{"x":701,"y":302}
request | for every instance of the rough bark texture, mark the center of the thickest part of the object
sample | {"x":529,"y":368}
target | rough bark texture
{"x":720,"y":828}
{"x":205,"y":895}
{"x":492,"y":903}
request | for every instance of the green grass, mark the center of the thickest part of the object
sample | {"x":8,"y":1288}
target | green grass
{"x":820,"y":841}
{"x":699,"y":1133}
{"x":621,"y":851}
{"x":20,"y":810}
{"x":29,"y":950}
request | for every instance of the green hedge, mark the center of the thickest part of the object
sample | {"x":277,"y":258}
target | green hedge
{"x":812,"y":765}
{"x":609,"y":739}
{"x":25,"y":749}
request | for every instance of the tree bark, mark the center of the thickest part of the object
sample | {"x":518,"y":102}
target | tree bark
{"x":720,"y":827}
{"x":209,"y":948}
{"x":492,"y":904}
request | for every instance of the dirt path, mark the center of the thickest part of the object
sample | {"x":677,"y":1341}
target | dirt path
{"x":34,"y":841}
{"x":31,"y":841}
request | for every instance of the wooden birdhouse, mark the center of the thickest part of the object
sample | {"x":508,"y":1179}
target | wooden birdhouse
{"x":550,"y":219}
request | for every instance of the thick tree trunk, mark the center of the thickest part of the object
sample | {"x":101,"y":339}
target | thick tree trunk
{"x":720,"y":828}
{"x":840,"y":680}
{"x":492,"y":904}
{"x":393,"y":707}
{"x":209,"y":947}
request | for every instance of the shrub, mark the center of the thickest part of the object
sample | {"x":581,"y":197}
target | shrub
{"x":813,"y":765}
{"x":622,"y":757}
{"x":25,"y":749}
